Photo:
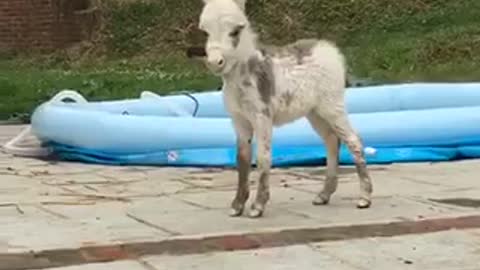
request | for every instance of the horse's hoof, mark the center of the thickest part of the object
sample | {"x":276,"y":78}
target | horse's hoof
{"x":255,"y":212}
{"x":320,"y":200}
{"x":236,"y":212}
{"x":363,"y":204}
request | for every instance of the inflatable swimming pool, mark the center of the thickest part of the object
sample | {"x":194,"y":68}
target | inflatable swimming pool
{"x":399,"y":123}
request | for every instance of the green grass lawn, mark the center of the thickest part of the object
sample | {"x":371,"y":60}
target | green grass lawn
{"x":386,"y":41}
{"x":23,"y":87}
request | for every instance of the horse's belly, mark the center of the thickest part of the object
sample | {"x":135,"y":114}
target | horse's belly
{"x":289,"y":108}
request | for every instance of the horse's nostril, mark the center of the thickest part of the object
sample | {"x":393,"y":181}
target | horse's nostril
{"x":220,"y":62}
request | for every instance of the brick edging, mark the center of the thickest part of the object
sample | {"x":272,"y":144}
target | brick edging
{"x":184,"y":245}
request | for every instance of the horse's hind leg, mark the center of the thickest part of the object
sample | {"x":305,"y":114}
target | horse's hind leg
{"x":338,"y":119}
{"x":332,"y":143}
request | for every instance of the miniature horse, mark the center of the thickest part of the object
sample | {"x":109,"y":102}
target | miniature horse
{"x":266,"y":86}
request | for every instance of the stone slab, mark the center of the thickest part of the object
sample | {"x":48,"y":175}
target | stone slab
{"x":441,"y":250}
{"x":285,"y":258}
{"x":383,"y":186}
{"x":419,"y":252}
{"x":208,"y":222}
{"x":122,"y":265}
{"x":222,"y":199}
{"x":203,"y":244}
{"x":385,"y":209}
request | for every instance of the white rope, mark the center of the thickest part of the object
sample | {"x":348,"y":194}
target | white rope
{"x":32,"y":151}
{"x":12,"y":147}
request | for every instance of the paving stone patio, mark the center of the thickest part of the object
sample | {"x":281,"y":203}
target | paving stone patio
{"x":50,"y":206}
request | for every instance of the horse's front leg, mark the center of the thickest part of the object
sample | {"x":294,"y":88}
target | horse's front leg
{"x":263,"y":134}
{"x":244,"y":133}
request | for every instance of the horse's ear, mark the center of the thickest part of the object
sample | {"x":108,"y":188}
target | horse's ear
{"x":240,"y":3}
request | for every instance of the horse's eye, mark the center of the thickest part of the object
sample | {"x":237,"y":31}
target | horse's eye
{"x":236,"y":31}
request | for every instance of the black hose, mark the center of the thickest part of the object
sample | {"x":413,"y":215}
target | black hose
{"x":197,"y":104}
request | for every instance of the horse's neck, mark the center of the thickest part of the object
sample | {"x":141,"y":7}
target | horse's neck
{"x":236,"y":74}
{"x":248,"y":43}
{"x":250,"y":47}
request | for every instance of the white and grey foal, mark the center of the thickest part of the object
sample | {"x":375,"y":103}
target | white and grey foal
{"x":265,"y":87}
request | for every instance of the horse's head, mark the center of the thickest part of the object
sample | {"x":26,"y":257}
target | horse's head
{"x":228,"y":31}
